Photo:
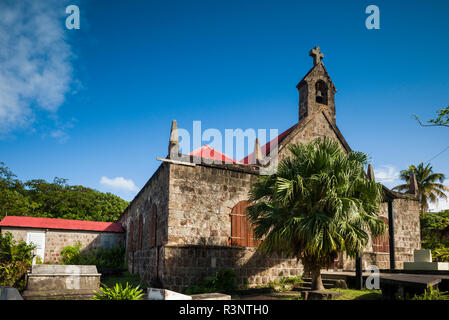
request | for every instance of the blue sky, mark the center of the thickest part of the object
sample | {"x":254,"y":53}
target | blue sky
{"x":95,"y":105}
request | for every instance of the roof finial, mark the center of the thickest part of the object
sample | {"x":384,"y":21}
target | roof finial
{"x":258,"y":153}
{"x":173,"y":145}
{"x":370,"y":173}
{"x":413,"y":188}
{"x":316,"y":54}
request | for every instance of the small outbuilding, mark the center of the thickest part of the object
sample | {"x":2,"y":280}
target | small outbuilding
{"x":51,"y":235}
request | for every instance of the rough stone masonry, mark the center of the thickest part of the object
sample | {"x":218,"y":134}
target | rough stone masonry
{"x":188,"y":221}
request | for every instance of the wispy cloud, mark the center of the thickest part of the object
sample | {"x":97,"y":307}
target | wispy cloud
{"x":387,"y":174}
{"x":119,"y":183}
{"x":35,"y":66}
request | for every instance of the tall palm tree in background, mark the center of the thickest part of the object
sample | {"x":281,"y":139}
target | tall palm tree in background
{"x":430,"y":184}
{"x":319,"y":203}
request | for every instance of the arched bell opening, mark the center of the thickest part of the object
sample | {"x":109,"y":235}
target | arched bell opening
{"x":321,"y":92}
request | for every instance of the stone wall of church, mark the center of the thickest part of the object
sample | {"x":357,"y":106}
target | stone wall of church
{"x":199,"y":229}
{"x":407,"y":228}
{"x":141,"y":250}
{"x":188,"y":265}
{"x":406,"y":233}
{"x":201,"y":200}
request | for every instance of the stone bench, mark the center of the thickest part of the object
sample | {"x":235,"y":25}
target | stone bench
{"x":62,"y":282}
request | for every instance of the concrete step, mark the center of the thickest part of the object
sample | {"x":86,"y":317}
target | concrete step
{"x":308,"y":286}
{"x":327,"y":283}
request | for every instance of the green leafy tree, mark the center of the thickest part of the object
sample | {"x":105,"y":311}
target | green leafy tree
{"x":434,"y":234}
{"x":56,"y":199}
{"x":430,"y":184}
{"x":442,"y":120}
{"x":319,"y":203}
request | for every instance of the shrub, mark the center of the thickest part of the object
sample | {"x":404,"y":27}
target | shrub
{"x":112,"y":258}
{"x":432,"y":294}
{"x":15,"y":261}
{"x":223,"y":281}
{"x":71,"y":254}
{"x":440,"y":254}
{"x":117,"y":292}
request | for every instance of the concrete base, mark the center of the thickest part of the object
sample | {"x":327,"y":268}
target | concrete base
{"x":9,"y":293}
{"x":164,"y":294}
{"x":211,"y":296}
{"x":58,"y":294}
{"x":426,"y":266}
{"x":54,"y":282}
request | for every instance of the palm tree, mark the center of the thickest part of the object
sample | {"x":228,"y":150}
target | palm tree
{"x":430,"y":184}
{"x":319,"y":203}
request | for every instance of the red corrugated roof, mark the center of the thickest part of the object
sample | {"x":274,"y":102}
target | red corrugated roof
{"x":51,"y":223}
{"x":207,"y":152}
{"x":268,"y":147}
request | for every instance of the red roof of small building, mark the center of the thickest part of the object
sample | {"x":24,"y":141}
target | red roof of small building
{"x":207,"y":152}
{"x":65,"y":224}
{"x":268,"y":147}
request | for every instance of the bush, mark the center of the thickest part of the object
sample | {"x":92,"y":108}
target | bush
{"x":223,"y":281}
{"x":15,"y":261}
{"x":431,"y":294}
{"x":119,"y":293}
{"x":434,"y":229}
{"x":113,"y":258}
{"x":71,"y":254}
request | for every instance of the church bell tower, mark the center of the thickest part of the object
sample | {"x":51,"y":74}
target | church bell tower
{"x":316,"y":89}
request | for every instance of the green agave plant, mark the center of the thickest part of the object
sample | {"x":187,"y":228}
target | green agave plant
{"x":117,"y":292}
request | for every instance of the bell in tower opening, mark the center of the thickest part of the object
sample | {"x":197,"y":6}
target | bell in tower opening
{"x":321,"y":92}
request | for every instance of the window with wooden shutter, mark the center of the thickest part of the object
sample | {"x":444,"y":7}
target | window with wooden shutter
{"x":153,"y":226}
{"x":242,"y":234}
{"x":382,"y":243}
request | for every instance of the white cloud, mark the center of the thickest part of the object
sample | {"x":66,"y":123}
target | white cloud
{"x":387,"y":174}
{"x":119,"y":183}
{"x":441,"y":205}
{"x":35,"y":67}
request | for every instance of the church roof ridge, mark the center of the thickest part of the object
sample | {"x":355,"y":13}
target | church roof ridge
{"x":213,"y":155}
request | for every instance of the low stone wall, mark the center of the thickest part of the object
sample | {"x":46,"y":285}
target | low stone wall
{"x":185,"y":266}
{"x":56,"y":240}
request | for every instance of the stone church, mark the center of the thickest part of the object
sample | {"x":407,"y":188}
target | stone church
{"x":188,"y":221}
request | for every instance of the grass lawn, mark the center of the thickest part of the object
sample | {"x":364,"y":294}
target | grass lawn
{"x":346,"y":294}
{"x":350,"y":294}
{"x":132,"y":279}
